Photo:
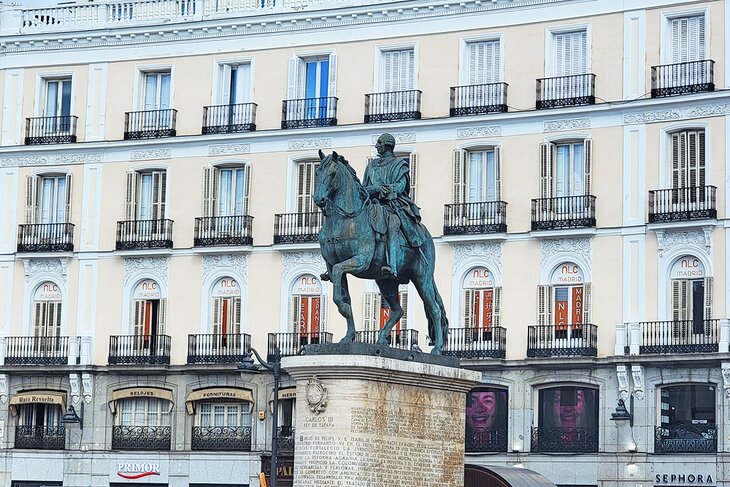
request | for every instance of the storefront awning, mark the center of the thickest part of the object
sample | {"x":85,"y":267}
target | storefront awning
{"x":476,"y":476}
{"x":284,"y":393}
{"x":138,"y":393}
{"x":37,"y":397}
{"x":229,"y":393}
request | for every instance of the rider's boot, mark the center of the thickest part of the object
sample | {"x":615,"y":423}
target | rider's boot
{"x":325,"y":276}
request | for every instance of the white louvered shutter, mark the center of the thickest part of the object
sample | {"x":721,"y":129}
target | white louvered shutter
{"x":412,"y":174}
{"x":38,"y":325}
{"x":681,"y":295}
{"x":497,"y":307}
{"x":246,"y":189}
{"x":403,"y":322}
{"x":708,"y":297}
{"x":460,"y":169}
{"x":688,"y":39}
{"x":217,"y":315}
{"x":468,"y":308}
{"x":224,"y":87}
{"x":332,"y":82}
{"x":305,"y":186}
{"x":544,"y":305}
{"x":570,"y":53}
{"x":587,"y":303}
{"x":159,"y":194}
{"x":162,"y":317}
{"x":398,"y":70}
{"x":210,"y":174}
{"x":498,"y":173}
{"x":31,"y":198}
{"x":131,"y":195}
{"x":68,"y":197}
{"x":54,"y":321}
{"x":236,"y":322}
{"x":371,"y":311}
{"x":138,"y":317}
{"x":546,"y":170}
{"x":484,"y":63}
{"x":294,"y":306}
{"x":293,"y":83}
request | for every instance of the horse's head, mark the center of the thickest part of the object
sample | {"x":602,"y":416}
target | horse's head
{"x":325,"y":177}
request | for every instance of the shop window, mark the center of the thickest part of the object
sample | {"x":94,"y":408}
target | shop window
{"x":567,"y":420}
{"x":486,"y":420}
{"x":691,"y":300}
{"x":226,"y":307}
{"x":687,"y":420}
{"x":148,"y":311}
{"x":565,"y":302}
{"x":306,"y":309}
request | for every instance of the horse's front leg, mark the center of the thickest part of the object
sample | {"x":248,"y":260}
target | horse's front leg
{"x":341,"y":292}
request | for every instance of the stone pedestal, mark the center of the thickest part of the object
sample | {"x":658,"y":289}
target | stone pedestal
{"x":368,"y":420}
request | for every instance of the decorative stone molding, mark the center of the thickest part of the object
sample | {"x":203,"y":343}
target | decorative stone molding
{"x":75,"y":385}
{"x":476,"y":132}
{"x":491,"y":253}
{"x":567,"y":124}
{"x":667,"y":241}
{"x":674,"y":114}
{"x":156,"y":266}
{"x":708,"y":110}
{"x":400,"y":137}
{"x":622,"y":374}
{"x":239,"y":262}
{"x":4,"y":388}
{"x":569,"y":246}
{"x":292,"y":262}
{"x":302,"y":144}
{"x":148,"y":154}
{"x":87,"y":385}
{"x":726,"y":378}
{"x":55,"y":267}
{"x":50,"y":159}
{"x":226,"y":149}
{"x":637,"y":375}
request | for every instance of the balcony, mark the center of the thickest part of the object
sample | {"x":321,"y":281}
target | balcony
{"x":309,"y":112}
{"x":144,"y":234}
{"x":218,"y":349}
{"x":564,"y":440}
{"x":229,"y":119}
{"x":479,"y":440}
{"x":150,"y":124}
{"x":475,"y":218}
{"x":562,"y":340}
{"x":221,"y":438}
{"x":46,"y":237}
{"x":223,"y":230}
{"x":701,"y":336}
{"x":36,"y":350}
{"x":686,"y":438}
{"x":564,"y":212}
{"x":566,"y":91}
{"x":392,"y":106}
{"x":682,"y":204}
{"x":683,"y":78}
{"x":404,"y":339}
{"x":297,"y":228}
{"x":290,"y":343}
{"x":476,"y":343}
{"x":285,"y":439}
{"x":139,"y":349}
{"x":50,"y":130}
{"x":478,"y":99}
{"x":40,"y":437}
{"x":141,"y":438}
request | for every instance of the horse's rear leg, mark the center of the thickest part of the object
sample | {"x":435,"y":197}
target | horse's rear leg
{"x":389,"y":291}
{"x":341,"y":295}
{"x":432,"y":304}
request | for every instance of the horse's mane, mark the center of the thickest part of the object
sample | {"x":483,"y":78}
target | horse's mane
{"x":349,"y":168}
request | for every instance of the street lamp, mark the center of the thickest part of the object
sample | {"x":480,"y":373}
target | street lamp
{"x":71,"y":417}
{"x":275,"y":367}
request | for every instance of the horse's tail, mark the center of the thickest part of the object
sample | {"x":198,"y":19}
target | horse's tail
{"x":444,"y":320}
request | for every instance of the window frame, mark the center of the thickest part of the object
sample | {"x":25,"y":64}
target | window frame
{"x":379,"y":71}
{"x":138,"y":95}
{"x":163,"y":411}
{"x":665,"y":42}
{"x":464,"y":55}
{"x":218,"y":79}
{"x":41,"y":87}
{"x":550,"y":46}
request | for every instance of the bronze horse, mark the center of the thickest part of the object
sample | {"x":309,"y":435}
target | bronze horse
{"x":350,"y":245}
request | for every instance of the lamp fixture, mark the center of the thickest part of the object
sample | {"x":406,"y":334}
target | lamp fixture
{"x":71,"y":417}
{"x":622,"y":414}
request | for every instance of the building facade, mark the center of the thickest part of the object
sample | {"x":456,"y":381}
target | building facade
{"x":157,"y":162}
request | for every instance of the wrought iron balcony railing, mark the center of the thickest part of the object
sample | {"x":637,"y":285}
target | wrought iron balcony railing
{"x":682,"y":204}
{"x":40,"y":437}
{"x":564,"y":440}
{"x":46,"y":237}
{"x":683,"y":78}
{"x":50,"y":130}
{"x":475,"y":343}
{"x":405,"y":339}
{"x":144,"y":234}
{"x":36,"y":350}
{"x":309,"y":112}
{"x":227,"y":119}
{"x":566,"y":91}
{"x":486,"y":440}
{"x":141,"y":437}
{"x":291,"y":228}
{"x":290,"y":343}
{"x":686,"y":438}
{"x":139,"y":349}
{"x":227,"y":438}
{"x":150,"y":124}
{"x":475,"y":218}
{"x":564,"y":212}
{"x":218,"y":349}
{"x":223,"y":230}
{"x":285,"y":438}
{"x":392,"y":106}
{"x":688,"y":336}
{"x":478,"y":99}
{"x":562,"y":340}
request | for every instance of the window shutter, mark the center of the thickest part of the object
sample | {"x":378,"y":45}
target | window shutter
{"x":676,"y":43}
{"x":473,"y":73}
{"x":412,"y":172}
{"x":496,"y":307}
{"x":163,"y":194}
{"x":68,"y":198}
{"x":546,"y":170}
{"x":39,"y":327}
{"x":468,"y":308}
{"x":131,"y":195}
{"x":224,"y":97}
{"x":246,"y":188}
{"x":54,"y":325}
{"x":323,"y":313}
{"x":371,"y":305}
{"x":31,"y":198}
{"x":692,"y":159}
{"x":459,"y":165}
{"x":156,"y":185}
{"x":209,"y":196}
{"x":676,"y":170}
{"x":332,"y":88}
{"x":217,"y":315}
{"x":588,"y":149}
{"x":138,"y":318}
{"x":387,"y":76}
{"x":294,"y":305}
{"x":162,"y":317}
{"x":498,"y":173}
{"x":544,"y":305}
{"x":293,"y":82}
{"x":236,"y":316}
{"x":701,"y":179}
{"x":700,"y":37}
{"x":403,"y":322}
{"x":708,"y":298}
{"x":587,"y":303}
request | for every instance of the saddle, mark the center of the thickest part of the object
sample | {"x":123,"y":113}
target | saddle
{"x":378,"y":219}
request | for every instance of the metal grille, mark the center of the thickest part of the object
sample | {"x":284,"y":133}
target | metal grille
{"x":392,"y":106}
{"x":682,"y":204}
{"x":227,"y":119}
{"x":476,"y":343}
{"x":475,"y":218}
{"x":40,"y":437}
{"x":564,"y":212}
{"x":292,"y":228}
{"x":566,"y":91}
{"x":686,"y":438}
{"x":405,"y":339}
{"x":223,"y":230}
{"x":685,"y":336}
{"x":309,"y":112}
{"x":221,"y":438}
{"x":46,"y":237}
{"x":683,"y":78}
{"x":150,"y":124}
{"x":50,"y":130}
{"x":139,"y":349}
{"x":478,"y":99}
{"x":141,"y":438}
{"x":564,"y":440}
{"x":290,"y":343}
{"x":486,"y":440}
{"x":562,"y":340}
{"x":218,"y":349}
{"x":144,"y":234}
{"x":37,"y":350}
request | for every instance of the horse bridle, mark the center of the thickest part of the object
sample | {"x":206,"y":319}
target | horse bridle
{"x":329,"y":204}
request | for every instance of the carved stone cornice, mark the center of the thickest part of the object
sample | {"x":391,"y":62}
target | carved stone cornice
{"x":50,"y":159}
{"x":303,"y":144}
{"x":400,"y":137}
{"x":566,"y":246}
{"x":697,"y":239}
{"x":154,"y":266}
{"x":54,"y":268}
{"x":237,"y":262}
{"x":293,"y":263}
{"x":149,"y":154}
{"x":226,"y":149}
{"x":709,"y":110}
{"x":477,"y":132}
{"x":490,"y":253}
{"x":567,"y":124}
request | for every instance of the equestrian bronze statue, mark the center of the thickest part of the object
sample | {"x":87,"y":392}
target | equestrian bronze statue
{"x":374,"y":231}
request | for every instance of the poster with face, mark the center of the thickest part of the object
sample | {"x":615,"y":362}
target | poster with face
{"x":486,"y":408}
{"x":568,"y":407}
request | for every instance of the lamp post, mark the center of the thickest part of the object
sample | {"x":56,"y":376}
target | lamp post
{"x":275,"y":368}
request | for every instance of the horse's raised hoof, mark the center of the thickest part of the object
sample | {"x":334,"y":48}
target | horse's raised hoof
{"x":387,"y":273}
{"x":436,"y":350}
{"x":350,"y":337}
{"x":326,"y":277}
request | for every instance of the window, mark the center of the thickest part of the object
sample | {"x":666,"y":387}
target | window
{"x":567,"y":420}
{"x":143,"y":412}
{"x":39,"y":415}
{"x":312,"y":77}
{"x":688,"y":159}
{"x":687,"y":420}
{"x":477,"y":175}
{"x":486,"y":420}
{"x":305,"y":186}
{"x":146,"y":195}
{"x":148,"y":311}
{"x":47,"y":310}
{"x":223,"y":415}
{"x":570,"y":55}
{"x":226,"y":307}
{"x":565,"y":303}
{"x":287,"y":416}
{"x":691,"y":299}
{"x":226,"y":191}
{"x":57,"y":97}
{"x":565,"y":169}
{"x":397,"y":70}
{"x":307,"y":309}
{"x":48,"y":199}
{"x":483,"y":62}
{"x":235,"y":84}
{"x":377,"y":311}
{"x":481,"y":303}
{"x":156,"y":91}
{"x":687,"y":39}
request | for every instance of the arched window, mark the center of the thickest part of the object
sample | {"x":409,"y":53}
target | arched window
{"x":486,"y":420}
{"x":481,"y":300}
{"x":377,"y":311}
{"x":686,"y":422}
{"x":47,"y":310}
{"x":225,"y":301}
{"x":691,"y":298}
{"x":149,"y":308}
{"x":306,"y":309}
{"x":567,"y":420}
{"x":565,"y":302}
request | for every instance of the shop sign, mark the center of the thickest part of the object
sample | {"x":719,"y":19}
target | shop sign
{"x":688,"y":268}
{"x":567,"y":273}
{"x":307,"y":285}
{"x":137,"y":470}
{"x":147,"y":289}
{"x":478,"y":278}
{"x":225,"y":288}
{"x":47,"y":291}
{"x":685,"y":479}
